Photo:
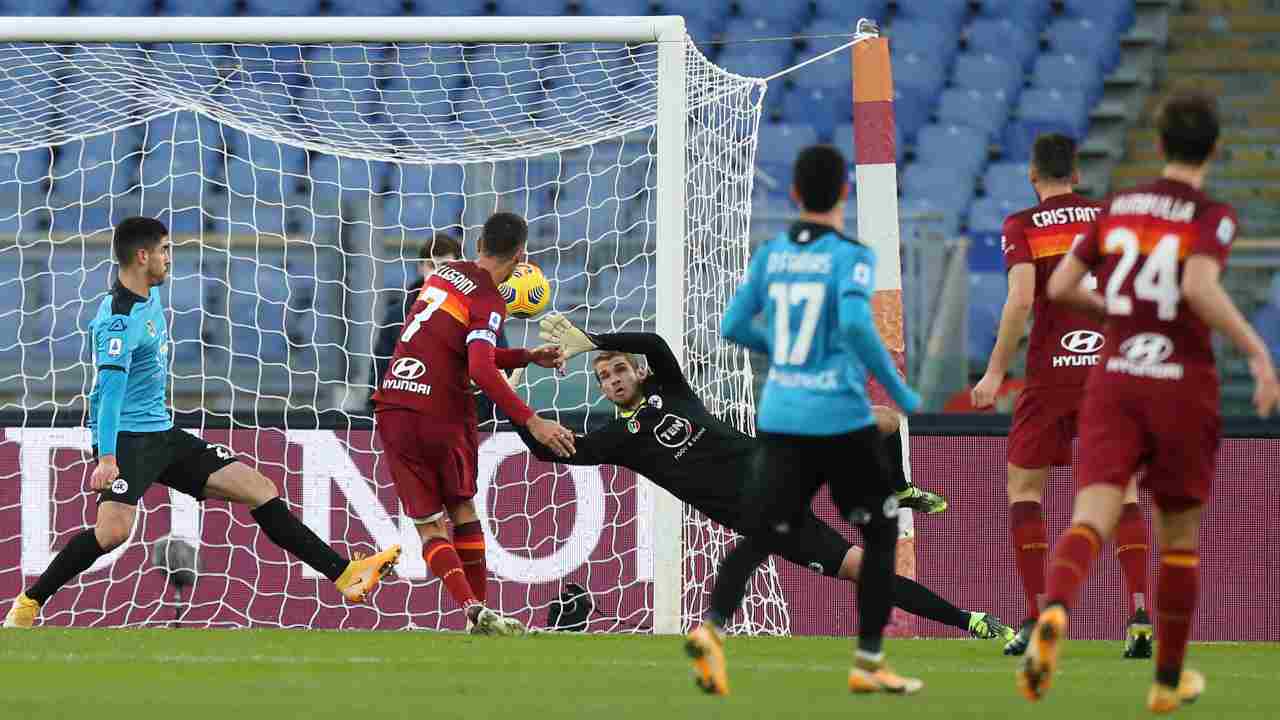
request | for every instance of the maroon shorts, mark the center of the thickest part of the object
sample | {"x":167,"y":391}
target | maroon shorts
{"x":1171,"y":432}
{"x":1044,"y":424}
{"x":433,"y":466}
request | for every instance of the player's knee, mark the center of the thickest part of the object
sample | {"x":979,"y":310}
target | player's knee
{"x":463,"y":512}
{"x":1025,"y":484}
{"x":852,"y":565}
{"x":431,"y":528}
{"x":113,"y":527}
{"x":256,"y":490}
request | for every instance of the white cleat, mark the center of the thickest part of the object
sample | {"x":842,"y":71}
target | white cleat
{"x":491,"y":622}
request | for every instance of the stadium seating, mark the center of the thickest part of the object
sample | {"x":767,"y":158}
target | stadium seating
{"x":1083,"y":36}
{"x":1068,"y":72}
{"x":987,"y":72}
{"x":911,"y":110}
{"x":924,"y":38}
{"x":1009,"y":181}
{"x":778,"y":15}
{"x":985,"y":111}
{"x":987,"y":292}
{"x":1004,"y":38}
{"x":1030,"y":14}
{"x":850,"y":11}
{"x":953,"y":146}
{"x":1042,"y":111}
{"x":614,"y":7}
{"x":918,"y":73}
{"x":1116,"y":14}
{"x":950,"y":13}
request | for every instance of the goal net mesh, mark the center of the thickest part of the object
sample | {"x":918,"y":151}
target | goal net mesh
{"x":299,"y":182}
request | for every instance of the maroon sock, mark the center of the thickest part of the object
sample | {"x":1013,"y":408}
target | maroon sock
{"x":468,"y":538}
{"x":1132,"y":548}
{"x":1073,"y":555}
{"x":1176,"y":594}
{"x":1030,"y":544}
{"x":444,"y":563}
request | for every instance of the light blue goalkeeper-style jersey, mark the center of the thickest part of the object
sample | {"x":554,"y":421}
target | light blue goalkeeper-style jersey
{"x":131,"y":356}
{"x":811,"y":286}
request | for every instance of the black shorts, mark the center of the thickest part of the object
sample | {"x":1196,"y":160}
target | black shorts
{"x":174,"y":458}
{"x":790,"y":470}
{"x":815,"y":545}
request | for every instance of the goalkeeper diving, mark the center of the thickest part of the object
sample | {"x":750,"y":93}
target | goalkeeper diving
{"x":665,"y":433}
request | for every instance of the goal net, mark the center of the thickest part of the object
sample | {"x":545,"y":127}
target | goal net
{"x":299,"y":181}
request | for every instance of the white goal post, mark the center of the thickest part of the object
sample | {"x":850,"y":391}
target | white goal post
{"x":665,"y":140}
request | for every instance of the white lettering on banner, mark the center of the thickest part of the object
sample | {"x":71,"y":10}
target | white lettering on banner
{"x":35,"y":457}
{"x":326,"y":462}
{"x":588,"y":521}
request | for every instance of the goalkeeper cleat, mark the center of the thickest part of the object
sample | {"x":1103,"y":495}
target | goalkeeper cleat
{"x":23,"y":613}
{"x":1137,"y":641}
{"x":915,"y":499}
{"x":1163,"y":699}
{"x":1035,"y":676}
{"x":363,"y":573}
{"x":881,"y":678}
{"x":1017,"y":645}
{"x":706,"y":648}
{"x":985,"y":626}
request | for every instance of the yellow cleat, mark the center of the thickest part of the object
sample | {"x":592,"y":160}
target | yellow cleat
{"x":1035,"y":676}
{"x":23,"y":613}
{"x":707,"y":650}
{"x":1164,"y":699}
{"x":363,"y":573}
{"x":882,"y":679}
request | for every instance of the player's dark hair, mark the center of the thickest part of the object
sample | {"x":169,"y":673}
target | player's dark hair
{"x":1188,"y":125}
{"x":819,"y":176}
{"x":503,"y":235}
{"x":1054,"y":156}
{"x":136,"y":233}
{"x":441,"y":245}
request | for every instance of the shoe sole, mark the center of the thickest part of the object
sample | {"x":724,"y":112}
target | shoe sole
{"x":378,"y":574}
{"x":1036,"y":675}
{"x":703,"y":675}
{"x":879,"y":687}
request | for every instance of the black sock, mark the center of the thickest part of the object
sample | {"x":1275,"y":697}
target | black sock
{"x":898,"y":473}
{"x":70,"y":561}
{"x":875,"y":582}
{"x":731,"y":580}
{"x":920,"y":600}
{"x":297,"y":539}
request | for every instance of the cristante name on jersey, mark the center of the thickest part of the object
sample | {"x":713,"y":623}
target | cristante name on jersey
{"x":406,"y":386}
{"x":1159,"y":206}
{"x":1064,"y":216}
{"x":464,"y":284}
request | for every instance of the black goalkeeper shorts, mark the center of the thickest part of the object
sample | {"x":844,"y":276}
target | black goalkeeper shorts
{"x":174,"y":458}
{"x":813,"y":544}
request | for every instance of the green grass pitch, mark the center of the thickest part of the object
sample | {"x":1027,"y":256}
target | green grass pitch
{"x":249,"y":674}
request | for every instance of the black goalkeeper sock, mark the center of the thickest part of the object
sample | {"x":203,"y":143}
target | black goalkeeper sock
{"x":731,"y":580}
{"x":291,"y":535}
{"x":876,"y":581}
{"x":920,"y":600}
{"x":897,"y":468}
{"x":70,"y":561}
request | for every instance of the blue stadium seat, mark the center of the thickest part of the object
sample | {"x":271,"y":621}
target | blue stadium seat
{"x":842,"y":138}
{"x":1002,"y":37}
{"x":953,"y":146}
{"x":924,"y":38}
{"x":779,"y":15}
{"x":35,"y":7}
{"x":1009,"y":181}
{"x":471,"y":7}
{"x":987,"y":72}
{"x":532,"y":7}
{"x":198,"y":8}
{"x":1042,"y":111}
{"x":918,"y":73}
{"x":374,"y":8}
{"x":1068,"y":72}
{"x":615,"y":7}
{"x":780,"y":143}
{"x":987,"y":293}
{"x":985,"y":111}
{"x":833,"y":71}
{"x":824,"y":108}
{"x":948,"y":13}
{"x":753,"y":62}
{"x":853,"y":10}
{"x":1030,"y":14}
{"x":949,"y":187}
{"x":283,"y":7}
{"x":1082,"y":36}
{"x":825,"y":33}
{"x":930,"y":214}
{"x":117,"y":8}
{"x":1266,"y":320}
{"x":1118,"y":14}
{"x":911,"y":109}
{"x":987,"y":214}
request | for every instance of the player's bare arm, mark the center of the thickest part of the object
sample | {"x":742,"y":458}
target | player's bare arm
{"x":1204,"y":293}
{"x":1013,"y":324}
{"x":1066,"y":286}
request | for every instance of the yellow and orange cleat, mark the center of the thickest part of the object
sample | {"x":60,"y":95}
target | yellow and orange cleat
{"x":1035,"y":675}
{"x":23,"y":613}
{"x":363,"y":573}
{"x":1164,"y":699}
{"x":882,"y":679}
{"x":706,"y":648}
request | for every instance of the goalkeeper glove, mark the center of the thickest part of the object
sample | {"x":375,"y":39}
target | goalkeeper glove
{"x":572,"y":341}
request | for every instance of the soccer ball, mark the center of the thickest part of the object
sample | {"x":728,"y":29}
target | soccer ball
{"x":526,"y":292}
